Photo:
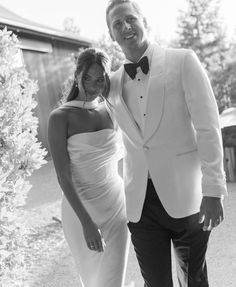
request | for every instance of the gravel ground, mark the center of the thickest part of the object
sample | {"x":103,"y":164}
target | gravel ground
{"x":49,"y":260}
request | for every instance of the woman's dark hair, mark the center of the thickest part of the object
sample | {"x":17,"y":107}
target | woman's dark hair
{"x":84,"y":61}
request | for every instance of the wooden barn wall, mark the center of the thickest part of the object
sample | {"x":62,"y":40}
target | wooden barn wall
{"x":50,"y":70}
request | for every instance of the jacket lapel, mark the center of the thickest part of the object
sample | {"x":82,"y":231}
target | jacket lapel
{"x":122,"y":114}
{"x":155,"y":92}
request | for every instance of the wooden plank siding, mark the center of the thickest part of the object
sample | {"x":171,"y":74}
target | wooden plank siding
{"x":47,"y":56}
{"x":50,"y":70}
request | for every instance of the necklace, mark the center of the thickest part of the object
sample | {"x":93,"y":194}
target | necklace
{"x":83,"y":104}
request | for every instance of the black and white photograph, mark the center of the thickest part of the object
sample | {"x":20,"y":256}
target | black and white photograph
{"x":117,"y":143}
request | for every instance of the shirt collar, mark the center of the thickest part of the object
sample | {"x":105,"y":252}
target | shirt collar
{"x":148,"y":53}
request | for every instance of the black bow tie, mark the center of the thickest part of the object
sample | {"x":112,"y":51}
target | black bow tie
{"x":131,"y":68}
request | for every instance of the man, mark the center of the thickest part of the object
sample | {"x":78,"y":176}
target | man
{"x":173,"y":168}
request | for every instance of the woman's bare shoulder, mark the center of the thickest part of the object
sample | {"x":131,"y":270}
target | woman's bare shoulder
{"x":60,"y":112}
{"x":63,"y":116}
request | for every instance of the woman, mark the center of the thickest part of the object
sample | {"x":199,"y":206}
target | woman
{"x":85,"y":148}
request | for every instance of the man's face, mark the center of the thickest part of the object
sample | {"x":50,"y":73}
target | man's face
{"x":127,"y":27}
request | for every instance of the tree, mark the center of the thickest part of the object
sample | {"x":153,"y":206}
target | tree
{"x":200,"y":28}
{"x":231,"y":69}
{"x":224,"y":85}
{"x":20,"y":155}
{"x":112,"y":49}
{"x":70,"y":26}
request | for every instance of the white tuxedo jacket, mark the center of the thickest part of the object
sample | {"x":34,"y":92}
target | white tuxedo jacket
{"x":181,"y":144}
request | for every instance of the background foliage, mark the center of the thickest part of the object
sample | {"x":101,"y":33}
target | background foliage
{"x":200,"y":28}
{"x":20,"y":155}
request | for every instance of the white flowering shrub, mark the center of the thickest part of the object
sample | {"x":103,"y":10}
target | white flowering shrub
{"x":20,"y":155}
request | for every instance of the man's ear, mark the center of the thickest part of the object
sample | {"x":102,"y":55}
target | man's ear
{"x":109,"y":31}
{"x":145,"y":23}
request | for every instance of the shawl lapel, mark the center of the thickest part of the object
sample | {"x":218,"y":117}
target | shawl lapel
{"x":155,"y":92}
{"x":123,"y":116}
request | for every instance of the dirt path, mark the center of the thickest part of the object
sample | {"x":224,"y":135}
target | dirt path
{"x":51,"y":262}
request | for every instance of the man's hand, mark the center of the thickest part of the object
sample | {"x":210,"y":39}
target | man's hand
{"x":211,"y":212}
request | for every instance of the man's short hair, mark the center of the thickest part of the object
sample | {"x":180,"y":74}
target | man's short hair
{"x":112,"y":3}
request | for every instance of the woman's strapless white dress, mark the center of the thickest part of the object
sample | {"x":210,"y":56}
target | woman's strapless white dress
{"x":94,"y":160}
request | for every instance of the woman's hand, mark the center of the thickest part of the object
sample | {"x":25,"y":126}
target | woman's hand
{"x":93,"y":237}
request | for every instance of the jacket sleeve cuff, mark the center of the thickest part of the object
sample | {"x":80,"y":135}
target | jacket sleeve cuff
{"x":214,"y":190}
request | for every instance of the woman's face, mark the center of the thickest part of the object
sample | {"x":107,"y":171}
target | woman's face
{"x":93,"y":81}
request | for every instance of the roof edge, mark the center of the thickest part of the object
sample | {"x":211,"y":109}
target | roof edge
{"x":46,"y":32}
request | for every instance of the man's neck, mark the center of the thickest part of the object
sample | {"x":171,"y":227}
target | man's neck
{"x":135,"y":54}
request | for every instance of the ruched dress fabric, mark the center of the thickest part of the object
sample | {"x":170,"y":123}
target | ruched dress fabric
{"x":94,"y":160}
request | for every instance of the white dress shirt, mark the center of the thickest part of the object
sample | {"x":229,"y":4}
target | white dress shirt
{"x":134,"y":92}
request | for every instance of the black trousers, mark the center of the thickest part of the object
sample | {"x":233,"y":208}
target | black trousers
{"x":152,"y":237}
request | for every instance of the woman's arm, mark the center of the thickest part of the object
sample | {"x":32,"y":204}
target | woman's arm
{"x":57,"y":137}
